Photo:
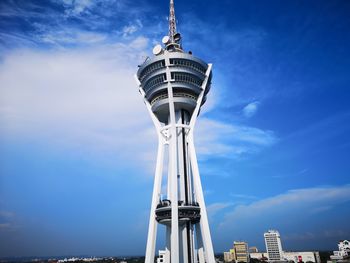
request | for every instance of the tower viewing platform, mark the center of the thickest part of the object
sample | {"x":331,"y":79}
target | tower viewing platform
{"x":187,"y":74}
{"x":187,"y":212}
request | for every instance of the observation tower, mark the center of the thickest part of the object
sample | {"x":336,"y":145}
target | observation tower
{"x":174,"y":85}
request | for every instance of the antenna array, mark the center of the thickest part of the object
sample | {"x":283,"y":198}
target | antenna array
{"x":172,"y":22}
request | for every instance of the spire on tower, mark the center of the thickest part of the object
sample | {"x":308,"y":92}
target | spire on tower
{"x":172,"y":22}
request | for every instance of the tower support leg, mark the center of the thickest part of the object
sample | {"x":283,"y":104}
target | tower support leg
{"x":204,"y":225}
{"x":152,"y":228}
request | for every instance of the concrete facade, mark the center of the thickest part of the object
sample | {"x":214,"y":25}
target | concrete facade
{"x":273,"y":245}
{"x":239,"y":252}
{"x":302,"y":256}
{"x":342,"y":252}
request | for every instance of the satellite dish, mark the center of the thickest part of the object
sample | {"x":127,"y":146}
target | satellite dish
{"x":166,"y":40}
{"x":157,"y":50}
{"x":177,"y":37}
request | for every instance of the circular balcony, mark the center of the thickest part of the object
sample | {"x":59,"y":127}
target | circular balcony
{"x":187,"y":74}
{"x":186,"y":212}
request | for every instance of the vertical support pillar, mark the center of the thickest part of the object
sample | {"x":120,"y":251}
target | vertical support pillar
{"x":152,"y":228}
{"x":182,"y":162}
{"x":204,"y":224}
{"x":167,"y":244}
{"x":174,"y":251}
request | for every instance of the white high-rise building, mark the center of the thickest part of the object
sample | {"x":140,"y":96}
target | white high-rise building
{"x":273,"y":245}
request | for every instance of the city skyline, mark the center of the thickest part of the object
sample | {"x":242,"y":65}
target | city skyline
{"x":77,"y":158}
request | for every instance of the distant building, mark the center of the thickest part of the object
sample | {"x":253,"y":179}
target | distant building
{"x":241,"y":249}
{"x":343,"y":251}
{"x":239,"y":253}
{"x":229,"y":257}
{"x":233,"y":253}
{"x":253,"y":250}
{"x":296,"y":257}
{"x":258,"y":255}
{"x":273,"y":245}
{"x":73,"y":259}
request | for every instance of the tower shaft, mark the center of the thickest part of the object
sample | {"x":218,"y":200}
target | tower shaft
{"x":184,"y":185}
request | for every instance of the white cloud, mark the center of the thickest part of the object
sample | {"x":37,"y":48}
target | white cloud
{"x":80,"y":99}
{"x":78,"y":6}
{"x":230,"y":140}
{"x":86,"y":101}
{"x":139,"y":43}
{"x":214,"y":208}
{"x":128,"y":30}
{"x":131,"y":28}
{"x":72,"y":36}
{"x":300,"y":214}
{"x":241,"y":196}
{"x":305,"y":202}
{"x":250,"y":109}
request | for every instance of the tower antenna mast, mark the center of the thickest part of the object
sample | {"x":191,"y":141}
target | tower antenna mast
{"x":172,"y":22}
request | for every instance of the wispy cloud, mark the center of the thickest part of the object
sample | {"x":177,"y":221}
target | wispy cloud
{"x":301,"y":214}
{"x":69,"y":23}
{"x":78,"y":6}
{"x":81,"y":99}
{"x":307,"y":201}
{"x":7,"y":221}
{"x":250,"y":109}
{"x":230,"y":140}
{"x":214,"y":208}
{"x":88,"y":99}
{"x":131,"y":28}
{"x":242,"y":196}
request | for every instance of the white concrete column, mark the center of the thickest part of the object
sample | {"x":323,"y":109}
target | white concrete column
{"x":152,"y":228}
{"x":174,"y":252}
{"x":204,"y":225}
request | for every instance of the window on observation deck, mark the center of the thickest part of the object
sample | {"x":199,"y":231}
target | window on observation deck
{"x":155,"y":82}
{"x":151,"y":68}
{"x":187,"y":63}
{"x":184,"y":77}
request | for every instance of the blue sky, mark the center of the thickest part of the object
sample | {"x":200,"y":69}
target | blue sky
{"x":78,"y":149}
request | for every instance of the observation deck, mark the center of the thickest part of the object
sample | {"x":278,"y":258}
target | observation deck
{"x":187,"y":75}
{"x":187,"y":212}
